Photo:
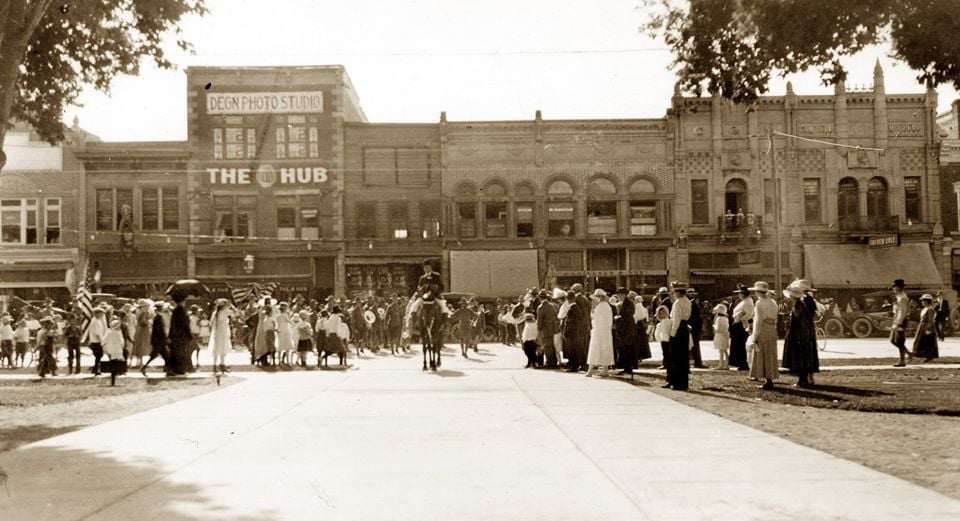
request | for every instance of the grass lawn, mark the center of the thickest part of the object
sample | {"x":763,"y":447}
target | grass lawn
{"x":885,"y":361}
{"x":32,"y":410}
{"x":903,"y":422}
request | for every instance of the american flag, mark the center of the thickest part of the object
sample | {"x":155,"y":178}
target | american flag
{"x":84,"y":302}
{"x":257,"y":291}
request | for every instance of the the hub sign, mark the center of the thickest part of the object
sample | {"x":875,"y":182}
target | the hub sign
{"x":266,"y":176}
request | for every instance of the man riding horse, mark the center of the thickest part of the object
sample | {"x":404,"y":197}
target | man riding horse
{"x":431,"y":310}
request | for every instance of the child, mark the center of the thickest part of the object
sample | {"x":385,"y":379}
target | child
{"x":304,"y":331}
{"x":336,"y":339}
{"x":21,"y":338}
{"x":6,"y":340}
{"x":204,"y":330}
{"x":721,"y":336}
{"x":45,"y":338}
{"x":662,"y":333}
{"x":320,"y":343}
{"x":113,"y":349}
{"x":529,"y":339}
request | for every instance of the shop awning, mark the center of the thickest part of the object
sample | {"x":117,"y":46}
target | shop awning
{"x":857,"y":266}
{"x":610,"y":273}
{"x":384,"y":261}
{"x":741,"y":273}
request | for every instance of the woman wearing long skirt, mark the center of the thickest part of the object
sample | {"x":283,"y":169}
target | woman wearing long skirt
{"x":925,"y":344}
{"x":678,"y":363}
{"x":739,"y":327}
{"x":265,"y":341}
{"x":181,"y":354}
{"x":286,"y":345}
{"x":800,"y":345}
{"x":220,"y":343}
{"x":141,"y":335}
{"x":600,"y":352}
{"x":625,"y":326}
{"x":763,"y":340}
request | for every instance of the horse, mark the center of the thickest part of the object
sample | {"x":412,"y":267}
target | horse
{"x":431,"y":332}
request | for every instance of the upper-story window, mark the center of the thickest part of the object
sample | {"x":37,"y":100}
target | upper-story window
{"x":110,"y":203}
{"x":296,"y":140}
{"x":392,"y":166}
{"x":877,"y":197}
{"x":911,"y":198}
{"x":561,"y":221}
{"x":811,"y":200}
{"x":53,"y":216}
{"x":234,"y":142}
{"x":20,"y":221}
{"x":601,"y":186}
{"x":235,"y":217}
{"x":160,"y":208}
{"x":699,"y":201}
{"x":643,"y":208}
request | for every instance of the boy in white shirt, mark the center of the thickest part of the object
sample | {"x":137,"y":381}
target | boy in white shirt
{"x":113,"y":349}
{"x":21,"y":340}
{"x":662,"y":332}
{"x":529,"y":339}
{"x":721,"y":335}
{"x":96,"y":332}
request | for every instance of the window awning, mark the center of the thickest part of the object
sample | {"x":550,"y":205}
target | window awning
{"x":856,"y":266}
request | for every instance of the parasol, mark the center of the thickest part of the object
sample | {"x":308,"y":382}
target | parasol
{"x":187,"y":287}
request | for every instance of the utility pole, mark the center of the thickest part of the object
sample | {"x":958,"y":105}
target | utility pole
{"x":776,"y":218}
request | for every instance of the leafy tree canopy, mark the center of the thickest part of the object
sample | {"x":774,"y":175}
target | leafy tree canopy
{"x":49,"y":50}
{"x":735,"y":46}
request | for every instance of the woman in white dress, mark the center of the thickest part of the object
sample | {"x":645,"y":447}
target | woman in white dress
{"x":600,"y":353}
{"x":286,"y":345}
{"x":220,"y":343}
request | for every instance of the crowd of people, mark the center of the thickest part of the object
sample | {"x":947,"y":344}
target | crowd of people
{"x":562,"y":328}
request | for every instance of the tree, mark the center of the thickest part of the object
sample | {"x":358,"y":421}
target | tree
{"x":50,"y":50}
{"x":735,"y":46}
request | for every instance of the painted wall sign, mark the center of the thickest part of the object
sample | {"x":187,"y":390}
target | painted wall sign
{"x":264,"y":102}
{"x":266,"y":176}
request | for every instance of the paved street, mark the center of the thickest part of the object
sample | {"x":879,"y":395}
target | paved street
{"x":481,"y":439}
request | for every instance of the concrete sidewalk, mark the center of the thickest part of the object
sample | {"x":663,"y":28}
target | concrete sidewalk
{"x":462,"y":444}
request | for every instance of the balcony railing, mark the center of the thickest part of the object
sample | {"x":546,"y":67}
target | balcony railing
{"x":885,"y":223}
{"x":733,"y":224}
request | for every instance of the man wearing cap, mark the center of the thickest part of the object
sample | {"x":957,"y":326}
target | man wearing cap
{"x":678,"y":363}
{"x":662,"y":298}
{"x":96,"y":332}
{"x":547,"y":326}
{"x":625,"y":333}
{"x":901,"y":311}
{"x":763,"y":339}
{"x":696,"y":327}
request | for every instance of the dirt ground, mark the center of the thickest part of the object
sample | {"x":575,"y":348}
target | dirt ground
{"x":31,"y":410}
{"x":921,"y":448}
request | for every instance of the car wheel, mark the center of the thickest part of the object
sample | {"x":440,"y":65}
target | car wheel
{"x":862,"y":327}
{"x":833,"y":328}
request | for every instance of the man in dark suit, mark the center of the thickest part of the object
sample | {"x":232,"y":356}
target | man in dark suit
{"x":573,"y":325}
{"x":696,"y":327}
{"x":625,"y":333}
{"x":583,"y":302}
{"x":548,"y":325}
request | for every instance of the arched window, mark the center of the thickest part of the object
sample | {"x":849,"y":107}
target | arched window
{"x":525,"y":190}
{"x":643,"y":186}
{"x":848,"y":202}
{"x":601,"y":186}
{"x":560,"y":187}
{"x":495,"y":189}
{"x":466,"y":190}
{"x":877,"y":197}
{"x":735,"y":197}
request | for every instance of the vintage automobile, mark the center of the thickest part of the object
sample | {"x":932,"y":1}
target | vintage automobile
{"x":875,"y":317}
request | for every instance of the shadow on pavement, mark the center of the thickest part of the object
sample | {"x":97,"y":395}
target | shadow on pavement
{"x":13,"y":437}
{"x":447,"y":373}
{"x":60,"y":483}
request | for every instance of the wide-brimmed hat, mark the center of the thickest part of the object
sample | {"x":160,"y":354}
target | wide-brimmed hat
{"x":663,"y":291}
{"x":100,"y":309}
{"x":691,"y":291}
{"x":559,"y":293}
{"x":798,"y":288}
{"x":741,"y":290}
{"x":544,"y":294}
{"x":927,"y":296}
{"x":720,"y":309}
{"x":678,"y":286}
{"x":899,"y":283}
{"x":760,"y":287}
{"x":577,"y":287}
{"x":599,"y":293}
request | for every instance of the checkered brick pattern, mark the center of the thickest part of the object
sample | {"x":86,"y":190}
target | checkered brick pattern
{"x":911,"y":159}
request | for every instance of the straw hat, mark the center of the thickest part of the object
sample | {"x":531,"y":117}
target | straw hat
{"x":760,"y":287}
{"x":720,"y":309}
{"x":798,"y":288}
{"x":741,"y":290}
{"x":927,"y":296}
{"x":559,"y":293}
{"x":599,"y":293}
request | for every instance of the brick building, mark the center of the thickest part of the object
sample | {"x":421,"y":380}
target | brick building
{"x":949,"y":123}
{"x":392,"y":206}
{"x":41,"y":235}
{"x":282,"y":179}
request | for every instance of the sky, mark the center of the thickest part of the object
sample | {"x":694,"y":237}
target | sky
{"x":411,"y":59}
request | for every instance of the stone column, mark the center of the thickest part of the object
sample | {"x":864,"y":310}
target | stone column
{"x":956,"y":192}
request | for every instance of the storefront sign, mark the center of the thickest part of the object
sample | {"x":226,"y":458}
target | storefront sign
{"x":884,"y":241}
{"x":266,"y":176}
{"x":264,"y":102}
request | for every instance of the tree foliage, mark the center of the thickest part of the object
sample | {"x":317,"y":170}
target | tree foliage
{"x":735,"y":46}
{"x":50,"y":49}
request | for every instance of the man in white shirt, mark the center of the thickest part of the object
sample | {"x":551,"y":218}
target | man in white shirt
{"x":901,"y":311}
{"x":678,"y":364}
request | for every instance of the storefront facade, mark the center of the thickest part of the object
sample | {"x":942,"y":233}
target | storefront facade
{"x":267,"y":174}
{"x":40,"y":234}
